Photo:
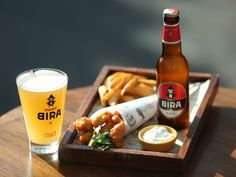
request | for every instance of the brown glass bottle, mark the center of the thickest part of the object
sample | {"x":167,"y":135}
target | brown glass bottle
{"x":172,"y":75}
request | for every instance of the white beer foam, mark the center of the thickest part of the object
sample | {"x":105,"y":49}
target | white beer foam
{"x":42,"y":80}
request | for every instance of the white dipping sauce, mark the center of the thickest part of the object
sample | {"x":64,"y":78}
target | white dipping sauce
{"x":157,"y":135}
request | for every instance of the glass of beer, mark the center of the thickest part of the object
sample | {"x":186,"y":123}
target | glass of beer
{"x":42,"y":93}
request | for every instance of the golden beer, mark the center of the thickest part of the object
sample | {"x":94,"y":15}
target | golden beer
{"x":42,"y":94}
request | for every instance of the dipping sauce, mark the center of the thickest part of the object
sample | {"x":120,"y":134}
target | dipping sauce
{"x":157,"y":134}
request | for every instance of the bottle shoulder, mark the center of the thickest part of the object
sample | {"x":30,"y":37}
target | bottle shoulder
{"x":172,"y":59}
{"x":172,"y":63}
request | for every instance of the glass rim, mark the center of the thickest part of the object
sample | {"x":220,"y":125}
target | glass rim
{"x":38,"y":69}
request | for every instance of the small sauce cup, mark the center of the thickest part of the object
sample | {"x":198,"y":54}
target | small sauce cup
{"x":161,"y":146}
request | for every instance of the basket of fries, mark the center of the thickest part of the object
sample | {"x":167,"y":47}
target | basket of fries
{"x":122,"y":87}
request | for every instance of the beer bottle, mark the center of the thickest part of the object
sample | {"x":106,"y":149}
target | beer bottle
{"x":172,"y":75}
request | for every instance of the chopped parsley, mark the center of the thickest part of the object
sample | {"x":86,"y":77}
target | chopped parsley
{"x":101,"y":141}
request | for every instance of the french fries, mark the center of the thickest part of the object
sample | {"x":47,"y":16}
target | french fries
{"x":148,"y":82}
{"x":122,"y":87}
{"x":130,"y":84}
{"x":141,"y":90}
{"x":102,"y":91}
{"x":126,"y":98}
{"x":114,"y":98}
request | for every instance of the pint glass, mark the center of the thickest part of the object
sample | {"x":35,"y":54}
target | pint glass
{"x":42,"y":94}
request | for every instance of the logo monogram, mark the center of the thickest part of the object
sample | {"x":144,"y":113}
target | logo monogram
{"x":51,"y":100}
{"x":50,"y":113}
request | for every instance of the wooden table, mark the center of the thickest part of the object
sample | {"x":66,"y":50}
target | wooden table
{"x":214,"y":155}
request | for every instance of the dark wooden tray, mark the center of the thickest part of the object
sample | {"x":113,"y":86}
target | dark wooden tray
{"x":174,"y":162}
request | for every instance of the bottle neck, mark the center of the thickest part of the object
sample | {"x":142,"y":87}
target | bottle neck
{"x":171,"y":39}
{"x":171,"y":49}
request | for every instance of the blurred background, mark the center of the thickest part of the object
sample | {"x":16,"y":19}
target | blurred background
{"x":81,"y":36}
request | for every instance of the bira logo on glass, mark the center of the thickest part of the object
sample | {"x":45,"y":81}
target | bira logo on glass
{"x":172,"y":99}
{"x":51,"y":112}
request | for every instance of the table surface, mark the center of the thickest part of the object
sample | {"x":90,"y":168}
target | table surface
{"x":214,"y":154}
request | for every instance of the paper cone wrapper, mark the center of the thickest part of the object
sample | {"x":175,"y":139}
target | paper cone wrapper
{"x":134,"y":113}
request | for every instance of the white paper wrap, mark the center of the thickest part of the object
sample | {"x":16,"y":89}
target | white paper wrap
{"x":134,"y":113}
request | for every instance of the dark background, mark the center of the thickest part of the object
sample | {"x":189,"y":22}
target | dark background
{"x":81,"y":36}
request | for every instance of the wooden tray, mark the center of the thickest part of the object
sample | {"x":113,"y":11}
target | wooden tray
{"x":174,"y":162}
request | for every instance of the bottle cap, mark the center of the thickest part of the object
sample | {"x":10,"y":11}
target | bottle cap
{"x":171,"y":12}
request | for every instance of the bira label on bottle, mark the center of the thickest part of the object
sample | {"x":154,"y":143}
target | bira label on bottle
{"x":171,"y":34}
{"x":171,"y":99}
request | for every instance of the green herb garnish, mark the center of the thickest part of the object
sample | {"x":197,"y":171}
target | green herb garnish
{"x":101,"y":141}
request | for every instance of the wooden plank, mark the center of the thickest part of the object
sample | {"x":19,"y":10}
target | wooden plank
{"x":121,"y":158}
